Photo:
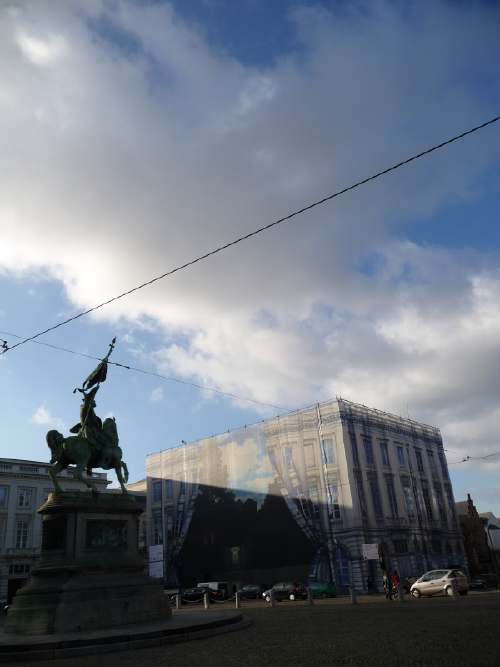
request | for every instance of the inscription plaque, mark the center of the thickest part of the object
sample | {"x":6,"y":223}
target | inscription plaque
{"x":106,"y":534}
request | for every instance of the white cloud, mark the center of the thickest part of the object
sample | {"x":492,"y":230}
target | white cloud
{"x":136,"y":162}
{"x":156,"y":395}
{"x":43,"y":417}
{"x":41,"y":51}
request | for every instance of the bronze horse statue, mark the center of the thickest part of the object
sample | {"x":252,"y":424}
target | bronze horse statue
{"x":79,"y":451}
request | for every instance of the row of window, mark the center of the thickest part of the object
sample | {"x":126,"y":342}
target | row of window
{"x":434,"y":546}
{"x":26,"y":496}
{"x":402,"y":456}
{"x":415,"y":497}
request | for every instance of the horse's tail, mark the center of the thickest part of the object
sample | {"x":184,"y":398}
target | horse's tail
{"x":125,"y":471}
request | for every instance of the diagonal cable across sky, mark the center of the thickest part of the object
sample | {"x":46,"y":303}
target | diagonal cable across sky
{"x":240,"y":239}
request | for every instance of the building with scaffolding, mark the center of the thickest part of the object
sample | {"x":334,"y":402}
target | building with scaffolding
{"x":296,"y":497}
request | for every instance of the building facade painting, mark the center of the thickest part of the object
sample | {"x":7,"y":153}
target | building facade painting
{"x":296,"y":497}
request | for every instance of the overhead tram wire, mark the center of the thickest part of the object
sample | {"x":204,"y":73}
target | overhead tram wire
{"x":169,"y":378}
{"x":264,"y":228}
{"x":468,"y":458}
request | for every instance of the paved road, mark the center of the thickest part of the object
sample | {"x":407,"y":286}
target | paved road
{"x":426,"y":632}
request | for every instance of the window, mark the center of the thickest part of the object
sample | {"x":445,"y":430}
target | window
{"x":333,"y":499}
{"x":24,"y":497}
{"x":408,"y":496}
{"x":437,"y":547}
{"x":22,"y":529}
{"x":361,"y":493}
{"x":438,"y":491}
{"x":369,"y":452}
{"x":391,"y":494}
{"x":235,"y":555}
{"x":19,"y":568}
{"x":432,"y":461}
{"x":309,"y":454}
{"x":34,"y":469}
{"x":354,"y":447}
{"x":401,"y":455}
{"x":444,"y":467}
{"x":314,"y":497}
{"x":287,"y":457}
{"x":3,"y":525}
{"x":449,"y":496}
{"x":314,"y":494}
{"x":420,"y":461}
{"x":400,"y":546}
{"x":328,"y":451}
{"x":157,"y":528}
{"x":4,"y":496}
{"x":427,"y":500}
{"x":169,"y":488}
{"x":376,"y":499}
{"x":385,"y":453}
{"x":157,"y":492}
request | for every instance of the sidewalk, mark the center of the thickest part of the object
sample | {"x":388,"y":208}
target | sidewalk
{"x":427,"y":632}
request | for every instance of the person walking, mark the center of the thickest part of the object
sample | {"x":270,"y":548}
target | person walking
{"x":387,"y":586}
{"x":395,"y":583}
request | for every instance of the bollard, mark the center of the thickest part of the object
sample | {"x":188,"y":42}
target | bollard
{"x":309,"y":596}
{"x":237,"y":599}
{"x":352,"y":590}
{"x":401,"y":593}
{"x":454,"y":589}
{"x":205,"y":599}
{"x":273,"y":599}
{"x":177,"y":601}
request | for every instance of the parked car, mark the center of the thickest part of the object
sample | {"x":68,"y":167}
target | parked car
{"x":323,"y":589}
{"x":286,"y":590}
{"x":478,"y":585}
{"x":250,"y":592}
{"x":196,"y":594}
{"x":439,"y":582}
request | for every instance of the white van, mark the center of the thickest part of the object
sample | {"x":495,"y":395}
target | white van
{"x":219,"y":587}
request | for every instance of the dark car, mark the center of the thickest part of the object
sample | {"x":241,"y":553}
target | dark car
{"x":286,"y":590}
{"x":196,"y":595}
{"x":323,"y":589}
{"x":250,"y":592}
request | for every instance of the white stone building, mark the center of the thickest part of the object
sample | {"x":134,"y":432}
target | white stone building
{"x":348,"y":475}
{"x":24,"y":486}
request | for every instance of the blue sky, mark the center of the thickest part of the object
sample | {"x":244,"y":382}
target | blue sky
{"x":141,"y":134}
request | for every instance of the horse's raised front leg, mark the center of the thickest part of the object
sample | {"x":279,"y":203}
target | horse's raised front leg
{"x":118,"y":471}
{"x":53,"y":472}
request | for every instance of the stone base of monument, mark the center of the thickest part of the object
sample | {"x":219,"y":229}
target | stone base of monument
{"x":182,"y":626}
{"x":90,"y":575}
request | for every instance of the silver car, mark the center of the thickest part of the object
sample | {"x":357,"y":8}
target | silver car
{"x":440,"y":582}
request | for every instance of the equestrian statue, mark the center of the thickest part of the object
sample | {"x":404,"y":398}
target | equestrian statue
{"x":95,"y":443}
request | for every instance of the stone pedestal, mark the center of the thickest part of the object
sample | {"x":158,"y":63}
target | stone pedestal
{"x":90,"y":575}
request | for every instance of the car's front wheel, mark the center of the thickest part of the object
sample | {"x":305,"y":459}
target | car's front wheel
{"x":416,"y":593}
